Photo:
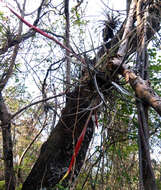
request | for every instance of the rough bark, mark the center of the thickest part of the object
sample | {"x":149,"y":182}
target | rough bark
{"x":141,"y":87}
{"x":147,"y":177}
{"x":57,"y":151}
{"x":5,"y":119}
{"x":67,"y":42}
{"x":144,"y":91}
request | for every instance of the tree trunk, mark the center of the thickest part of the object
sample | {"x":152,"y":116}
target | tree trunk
{"x":8,"y":157}
{"x":147,"y":178}
{"x":7,"y":146}
{"x":67,"y":42}
{"x":57,"y":151}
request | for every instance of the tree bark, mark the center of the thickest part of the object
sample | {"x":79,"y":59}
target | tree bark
{"x":67,"y":42}
{"x":147,"y":177}
{"x":5,"y":118}
{"x":57,"y":151}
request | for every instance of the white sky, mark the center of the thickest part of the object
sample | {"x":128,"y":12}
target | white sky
{"x":95,"y":6}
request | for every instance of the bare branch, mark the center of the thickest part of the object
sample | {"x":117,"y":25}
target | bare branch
{"x":6,"y":76}
{"x":37,"y":102}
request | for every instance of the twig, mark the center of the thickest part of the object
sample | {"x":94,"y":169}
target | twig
{"x":37,"y":102}
{"x":46,"y":35}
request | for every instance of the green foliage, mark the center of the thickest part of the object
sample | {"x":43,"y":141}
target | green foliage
{"x":155,"y":69}
{"x":60,"y":187}
{"x":158,"y":183}
{"x":2,"y":185}
{"x":19,"y":187}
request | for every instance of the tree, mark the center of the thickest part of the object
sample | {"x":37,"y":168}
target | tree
{"x":98,"y":86}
